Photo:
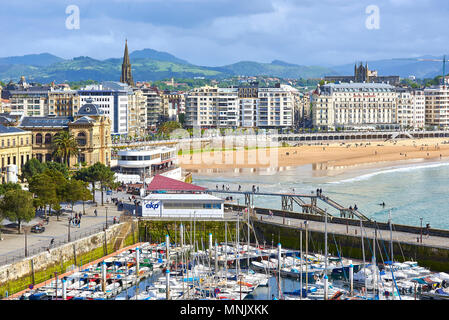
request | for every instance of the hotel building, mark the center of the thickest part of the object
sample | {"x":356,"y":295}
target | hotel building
{"x":354,"y":105}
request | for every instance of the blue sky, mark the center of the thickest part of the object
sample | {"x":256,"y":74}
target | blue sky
{"x":219,"y":32}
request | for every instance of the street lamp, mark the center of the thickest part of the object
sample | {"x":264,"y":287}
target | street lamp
{"x":421,"y":229}
{"x":25,"y":229}
{"x":68,"y":228}
{"x":106,"y":217}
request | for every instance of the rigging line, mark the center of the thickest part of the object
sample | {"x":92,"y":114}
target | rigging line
{"x":338,"y":253}
{"x":400,"y":247}
{"x":378,"y":246}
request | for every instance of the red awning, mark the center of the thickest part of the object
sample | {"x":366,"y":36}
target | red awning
{"x":162,"y":183}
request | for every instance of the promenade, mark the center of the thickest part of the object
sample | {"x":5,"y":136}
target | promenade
{"x":341,"y":229}
{"x":12,"y":247}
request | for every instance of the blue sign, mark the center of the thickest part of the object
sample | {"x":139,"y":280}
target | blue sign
{"x":152,"y":205}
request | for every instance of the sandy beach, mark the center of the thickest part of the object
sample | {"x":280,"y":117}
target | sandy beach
{"x":328,"y":154}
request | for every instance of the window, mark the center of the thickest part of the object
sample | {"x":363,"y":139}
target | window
{"x":48,"y":138}
{"x":38,"y":139}
{"x":81,"y":139}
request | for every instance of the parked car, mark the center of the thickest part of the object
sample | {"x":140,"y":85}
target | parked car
{"x":37,"y":228}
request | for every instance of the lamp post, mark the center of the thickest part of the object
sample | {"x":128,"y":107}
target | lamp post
{"x":421,"y":230}
{"x":25,"y":229}
{"x":68,"y":229}
{"x":106,"y":217}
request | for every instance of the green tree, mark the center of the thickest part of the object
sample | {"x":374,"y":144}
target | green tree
{"x":87,"y":175}
{"x":61,"y":167}
{"x":105,"y":176}
{"x":168,"y":127}
{"x":76,"y":190}
{"x":17,"y":206}
{"x":49,"y":187}
{"x":31,"y":168}
{"x":5,"y":187}
{"x":64,"y":146}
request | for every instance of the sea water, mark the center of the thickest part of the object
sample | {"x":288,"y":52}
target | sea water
{"x":411,"y":189}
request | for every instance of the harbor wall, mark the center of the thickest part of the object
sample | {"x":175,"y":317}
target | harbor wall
{"x":345,"y":221}
{"x":155,"y":231}
{"x":41,"y":267}
{"x":350,"y":246}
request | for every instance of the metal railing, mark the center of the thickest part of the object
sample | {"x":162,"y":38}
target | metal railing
{"x":44,"y":245}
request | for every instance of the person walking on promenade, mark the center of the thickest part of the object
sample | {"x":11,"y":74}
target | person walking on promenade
{"x":355,"y":207}
{"x":240,"y":187}
{"x":96,"y":213}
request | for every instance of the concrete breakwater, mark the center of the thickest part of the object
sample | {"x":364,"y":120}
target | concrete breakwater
{"x":345,"y":221}
{"x":350,"y":246}
{"x":41,"y":267}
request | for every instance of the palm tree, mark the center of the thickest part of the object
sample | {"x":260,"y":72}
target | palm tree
{"x":64,"y":146}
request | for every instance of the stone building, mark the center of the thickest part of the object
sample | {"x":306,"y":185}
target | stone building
{"x":363,"y":74}
{"x":90,"y":127}
{"x":15,"y":150}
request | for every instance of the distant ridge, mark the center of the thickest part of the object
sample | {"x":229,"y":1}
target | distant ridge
{"x":149,"y":64}
{"x":41,"y":60}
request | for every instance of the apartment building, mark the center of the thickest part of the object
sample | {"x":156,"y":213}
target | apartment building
{"x":410,"y":108}
{"x":112,"y":100}
{"x":246,"y":106}
{"x":437,"y":106}
{"x":63,"y":102}
{"x":29,"y":102}
{"x":154,"y":106}
{"x":137,"y":113}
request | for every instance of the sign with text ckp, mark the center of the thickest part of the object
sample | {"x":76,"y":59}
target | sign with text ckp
{"x":151,"y":208}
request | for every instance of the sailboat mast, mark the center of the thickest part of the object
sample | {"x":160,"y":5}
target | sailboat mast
{"x":363,"y":251}
{"x":391,"y":253}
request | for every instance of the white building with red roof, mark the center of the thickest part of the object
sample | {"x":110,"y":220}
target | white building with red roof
{"x":170,"y":198}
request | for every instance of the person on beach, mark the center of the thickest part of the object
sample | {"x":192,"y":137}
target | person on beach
{"x":240,"y":187}
{"x":355,"y":207}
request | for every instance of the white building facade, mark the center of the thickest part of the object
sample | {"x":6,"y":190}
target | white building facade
{"x":437,"y":106}
{"x":182,"y":205}
{"x":347,"y":105}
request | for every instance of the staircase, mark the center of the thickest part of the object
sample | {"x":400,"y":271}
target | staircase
{"x":126,"y":229}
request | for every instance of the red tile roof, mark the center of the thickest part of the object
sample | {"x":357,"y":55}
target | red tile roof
{"x":161,"y":183}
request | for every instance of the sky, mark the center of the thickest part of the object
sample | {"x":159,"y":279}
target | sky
{"x":221,"y":32}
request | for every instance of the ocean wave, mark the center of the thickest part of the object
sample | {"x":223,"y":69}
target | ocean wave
{"x":388,"y":171}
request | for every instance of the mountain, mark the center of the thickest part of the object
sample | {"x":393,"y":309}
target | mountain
{"x":151,"y":65}
{"x":276,"y":69}
{"x":401,"y":67}
{"x":42,"y":59}
{"x":156,"y":55}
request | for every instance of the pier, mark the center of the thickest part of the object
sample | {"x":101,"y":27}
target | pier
{"x":307,"y":202}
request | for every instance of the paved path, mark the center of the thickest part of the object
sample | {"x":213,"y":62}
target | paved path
{"x":341,"y":229}
{"x":12,"y":247}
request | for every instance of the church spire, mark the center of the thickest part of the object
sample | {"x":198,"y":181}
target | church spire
{"x":126,"y":76}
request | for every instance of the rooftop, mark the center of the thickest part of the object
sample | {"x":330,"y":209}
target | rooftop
{"x":162,"y":183}
{"x":6,"y":130}
{"x":182,"y":196}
